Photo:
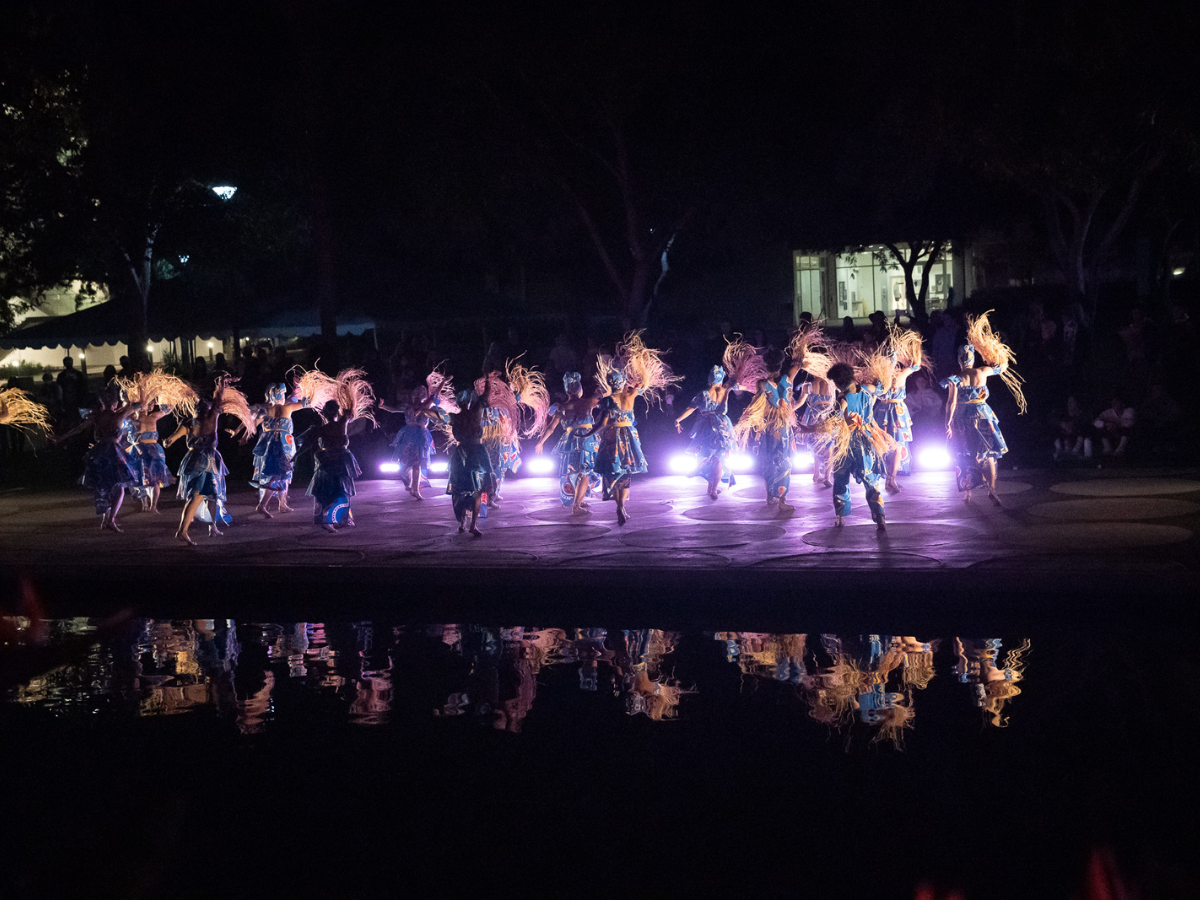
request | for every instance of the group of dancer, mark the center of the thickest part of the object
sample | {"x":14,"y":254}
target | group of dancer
{"x":849,"y":411}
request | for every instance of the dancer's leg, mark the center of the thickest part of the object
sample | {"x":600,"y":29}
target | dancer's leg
{"x":581,"y":489}
{"x":714,"y":485}
{"x":622,"y":494}
{"x":263,"y":496}
{"x":841,"y":494}
{"x":185,"y":520}
{"x":114,"y":506}
{"x":475,"y":515}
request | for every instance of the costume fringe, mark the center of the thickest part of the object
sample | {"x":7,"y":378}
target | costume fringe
{"x":501,"y":396}
{"x":234,"y":403}
{"x":163,"y":389}
{"x":761,"y":417}
{"x":744,"y":366}
{"x":439,"y":385}
{"x":876,"y":366}
{"x":996,"y":353}
{"x":314,"y":386}
{"x":17,"y":410}
{"x":355,"y":395}
{"x":643,"y":367}
{"x":530,"y":385}
{"x":908,"y":347}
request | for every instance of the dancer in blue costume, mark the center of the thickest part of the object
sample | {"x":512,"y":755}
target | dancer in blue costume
{"x":153,"y":474}
{"x":815,"y":353}
{"x":577,"y":448}
{"x":202,"y":471}
{"x":275,"y":451}
{"x":413,"y":444}
{"x":859,"y":446}
{"x":712,"y":437}
{"x":635,"y":371}
{"x":107,"y":469}
{"x":470,"y":469}
{"x":971,"y":425}
{"x":893,"y":363}
{"x":772,"y":418}
{"x":332,"y":483}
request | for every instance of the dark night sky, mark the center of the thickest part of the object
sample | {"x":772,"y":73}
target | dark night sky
{"x":434,"y":149}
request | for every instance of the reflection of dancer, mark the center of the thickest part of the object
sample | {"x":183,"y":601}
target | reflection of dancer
{"x":993,"y":685}
{"x":413,"y":444}
{"x":771,"y":417}
{"x":470,"y":469}
{"x":970,"y":422}
{"x":638,"y":660}
{"x":106,"y":469}
{"x":635,"y":371}
{"x":577,"y":448}
{"x":712,"y":436}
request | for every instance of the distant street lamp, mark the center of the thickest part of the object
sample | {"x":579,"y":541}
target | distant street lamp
{"x":224,"y":191}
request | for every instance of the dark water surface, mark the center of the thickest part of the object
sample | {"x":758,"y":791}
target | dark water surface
{"x":208,"y":757}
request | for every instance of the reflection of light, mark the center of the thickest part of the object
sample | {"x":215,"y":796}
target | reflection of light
{"x":389,"y":468}
{"x":224,"y":191}
{"x":682,"y":464}
{"x":934,"y":458}
{"x":183,"y":259}
{"x":439,"y":466}
{"x":540,"y":465}
{"x":740,"y":462}
{"x":802,"y":460}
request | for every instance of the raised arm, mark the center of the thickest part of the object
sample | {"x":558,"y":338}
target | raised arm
{"x":549,"y":430}
{"x":687,"y":412}
{"x":175,"y":435}
{"x":951,"y":404}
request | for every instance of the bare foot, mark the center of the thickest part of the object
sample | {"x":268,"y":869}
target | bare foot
{"x":827,"y":483}
{"x":332,"y":529}
{"x":156,"y":510}
{"x":462,"y":528}
{"x":263,"y":510}
{"x":839,"y":521}
{"x":621,"y":517}
{"x":186,"y":538}
{"x":476,"y":532}
{"x":214,"y":531}
{"x":417,"y":495}
{"x":112,"y":524}
{"x":992,"y":496}
{"x":786,"y":508}
{"x":881,"y":523}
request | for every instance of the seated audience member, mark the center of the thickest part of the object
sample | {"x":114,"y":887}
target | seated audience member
{"x":1070,"y":428}
{"x":1114,"y":426}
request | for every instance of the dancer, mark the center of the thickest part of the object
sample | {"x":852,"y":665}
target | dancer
{"x":275,"y":451}
{"x":502,"y":427}
{"x":892,"y":363}
{"x":771,"y":417}
{"x":858,"y":446}
{"x":160,"y":395}
{"x":107,"y":470}
{"x":470,"y":468}
{"x":635,"y":371}
{"x":577,"y":448}
{"x":816,"y":396}
{"x":413,"y":444}
{"x":332,"y":483}
{"x":970,"y":423}
{"x":713,"y":437}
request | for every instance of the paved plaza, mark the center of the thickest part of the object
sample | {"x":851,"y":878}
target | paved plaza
{"x":1054,"y":527}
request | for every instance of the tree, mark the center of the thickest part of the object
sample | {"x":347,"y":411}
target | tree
{"x":909,"y":256}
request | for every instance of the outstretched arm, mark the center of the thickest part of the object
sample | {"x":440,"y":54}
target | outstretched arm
{"x":87,"y":423}
{"x":687,"y":412}
{"x":951,"y":404}
{"x":176,"y":435}
{"x":550,"y":426}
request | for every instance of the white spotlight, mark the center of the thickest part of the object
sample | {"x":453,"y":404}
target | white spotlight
{"x":224,"y":191}
{"x":682,"y":464}
{"x":934,"y":458}
{"x":439,"y":466}
{"x":540,"y":465}
{"x":803,"y":460}
{"x":389,"y":468}
{"x":740,"y":462}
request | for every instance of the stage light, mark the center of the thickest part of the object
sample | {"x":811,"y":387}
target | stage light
{"x":541,"y":465}
{"x":803,"y":460}
{"x":682,"y":464}
{"x":740,"y":462}
{"x":439,"y":466}
{"x":934,"y":458}
{"x":389,"y":468}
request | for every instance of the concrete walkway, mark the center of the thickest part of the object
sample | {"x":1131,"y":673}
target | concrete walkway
{"x":1054,"y":526}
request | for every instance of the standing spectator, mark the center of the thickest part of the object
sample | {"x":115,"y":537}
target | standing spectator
{"x":848,"y":334}
{"x":73,"y":385}
{"x":1136,"y":336}
{"x":50,"y":396}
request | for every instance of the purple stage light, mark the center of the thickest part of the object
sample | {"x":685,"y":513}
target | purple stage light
{"x":934,"y":458}
{"x":541,"y":465}
{"x":389,"y":468}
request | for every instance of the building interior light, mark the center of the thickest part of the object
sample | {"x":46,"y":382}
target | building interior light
{"x":1177,"y":272}
{"x":224,"y":191}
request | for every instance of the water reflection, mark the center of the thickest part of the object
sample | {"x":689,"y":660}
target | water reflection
{"x":493,"y":675}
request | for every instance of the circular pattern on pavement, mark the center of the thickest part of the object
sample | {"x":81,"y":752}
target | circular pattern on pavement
{"x":1006,"y":488}
{"x":476,"y":554}
{"x":746,"y":512}
{"x":1095,"y":536}
{"x":836,"y":559}
{"x":683,"y":537}
{"x":564,"y":515}
{"x":536,"y":537}
{"x":899,"y":536}
{"x":649,"y":559}
{"x":1114,"y":509}
{"x":313,"y":557}
{"x":1126,"y":487}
